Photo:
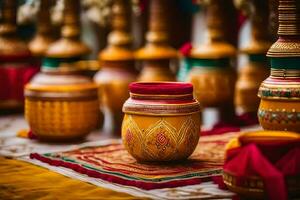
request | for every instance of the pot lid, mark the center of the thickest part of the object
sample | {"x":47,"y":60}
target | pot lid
{"x":60,"y":83}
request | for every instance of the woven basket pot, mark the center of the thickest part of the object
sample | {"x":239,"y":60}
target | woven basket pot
{"x":61,"y":105}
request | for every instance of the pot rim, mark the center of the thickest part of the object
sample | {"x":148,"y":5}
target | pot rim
{"x":161,"y":109}
{"x":161,"y":88}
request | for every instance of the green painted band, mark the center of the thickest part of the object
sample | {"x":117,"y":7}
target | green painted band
{"x":185,"y":68}
{"x":258,"y":58}
{"x":55,"y":62}
{"x":223,"y":62}
{"x":285,"y":63}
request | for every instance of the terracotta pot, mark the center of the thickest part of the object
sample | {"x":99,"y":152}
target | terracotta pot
{"x":162,"y":121}
{"x":61,"y":105}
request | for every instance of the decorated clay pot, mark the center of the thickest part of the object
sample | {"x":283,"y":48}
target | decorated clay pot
{"x":61,"y":105}
{"x":280,"y":93}
{"x":162,"y":121}
{"x":280,"y":101}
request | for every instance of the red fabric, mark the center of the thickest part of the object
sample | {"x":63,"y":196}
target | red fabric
{"x":143,"y":5}
{"x":186,"y":49}
{"x":249,"y":161}
{"x":219,"y":181}
{"x":241,"y":19}
{"x":246,"y":119}
{"x":15,"y":58}
{"x":161,"y":88}
{"x":13,"y":80}
{"x":220,"y":129}
{"x":289,"y":164}
{"x":31,"y":135}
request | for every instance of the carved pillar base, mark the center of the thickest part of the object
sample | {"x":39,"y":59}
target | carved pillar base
{"x":156,"y":71}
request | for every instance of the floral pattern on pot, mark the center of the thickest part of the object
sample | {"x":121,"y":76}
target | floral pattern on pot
{"x":279,"y":116}
{"x":279,"y":92}
{"x":161,"y":140}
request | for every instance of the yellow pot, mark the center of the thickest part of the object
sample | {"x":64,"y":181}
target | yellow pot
{"x":162,"y":121}
{"x":60,"y":105}
{"x":279,"y":108}
{"x":214,"y":86}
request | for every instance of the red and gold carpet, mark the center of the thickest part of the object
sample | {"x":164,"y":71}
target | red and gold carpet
{"x":112,"y":163}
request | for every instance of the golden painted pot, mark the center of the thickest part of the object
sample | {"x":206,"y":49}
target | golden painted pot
{"x":214,"y":83}
{"x":161,"y":122}
{"x":61,"y":105}
{"x":280,"y":101}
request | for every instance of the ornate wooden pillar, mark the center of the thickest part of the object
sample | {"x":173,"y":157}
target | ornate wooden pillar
{"x":256,"y":70}
{"x":212,"y":73}
{"x":16,"y":67}
{"x":69,"y":48}
{"x":117,"y":66}
{"x":157,"y":53}
{"x":44,"y":36}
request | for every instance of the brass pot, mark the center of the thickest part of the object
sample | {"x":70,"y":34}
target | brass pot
{"x":61,"y":105}
{"x":162,"y":121}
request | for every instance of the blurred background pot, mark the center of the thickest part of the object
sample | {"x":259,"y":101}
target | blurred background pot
{"x":61,"y":105}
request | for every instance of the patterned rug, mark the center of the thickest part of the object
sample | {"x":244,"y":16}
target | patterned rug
{"x":112,"y":163}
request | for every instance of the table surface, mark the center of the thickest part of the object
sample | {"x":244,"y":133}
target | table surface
{"x":22,"y":180}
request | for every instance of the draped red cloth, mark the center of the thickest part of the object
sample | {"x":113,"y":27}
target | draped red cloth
{"x":13,"y":80}
{"x":270,"y":160}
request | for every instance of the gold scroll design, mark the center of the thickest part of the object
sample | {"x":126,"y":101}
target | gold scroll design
{"x":161,"y":140}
